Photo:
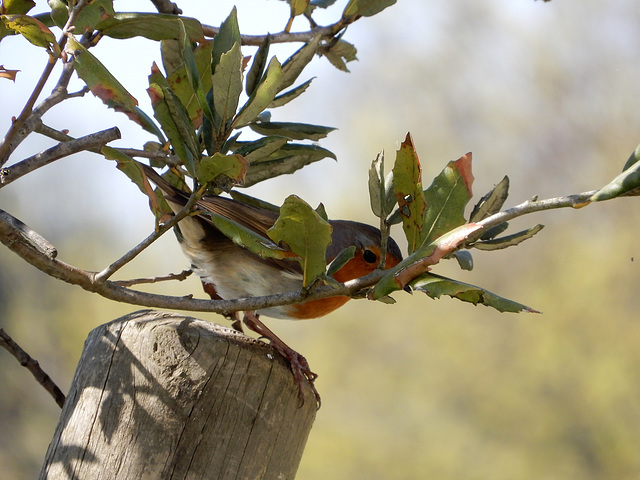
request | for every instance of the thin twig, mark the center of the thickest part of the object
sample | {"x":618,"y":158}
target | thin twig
{"x":7,"y":141}
{"x":139,"y":281}
{"x":165,"y":6}
{"x":64,"y":149}
{"x":161,"y":230}
{"x":33,"y":366}
{"x":328,"y":31}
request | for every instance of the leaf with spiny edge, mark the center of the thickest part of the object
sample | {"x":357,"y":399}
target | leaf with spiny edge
{"x":306,"y":234}
{"x":407,"y":184}
{"x":447,"y":198}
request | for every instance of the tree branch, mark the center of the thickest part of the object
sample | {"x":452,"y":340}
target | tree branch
{"x":64,"y":149}
{"x":13,"y":238}
{"x":33,"y":366}
{"x":8,"y":144}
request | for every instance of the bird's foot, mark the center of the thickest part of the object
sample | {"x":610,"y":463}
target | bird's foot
{"x":299,"y":365}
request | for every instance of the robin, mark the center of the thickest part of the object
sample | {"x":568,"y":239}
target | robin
{"x":229,"y":271}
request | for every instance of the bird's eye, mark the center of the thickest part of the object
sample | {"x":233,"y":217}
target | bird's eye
{"x":369,"y":256}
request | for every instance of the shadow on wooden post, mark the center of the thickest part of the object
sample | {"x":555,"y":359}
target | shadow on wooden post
{"x":161,"y":396}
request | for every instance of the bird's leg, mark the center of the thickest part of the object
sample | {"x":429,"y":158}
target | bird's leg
{"x":210,"y":289}
{"x":299,"y":365}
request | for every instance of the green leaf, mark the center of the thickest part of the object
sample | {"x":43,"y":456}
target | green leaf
{"x":492,"y":202}
{"x":256,"y":202}
{"x":227,"y":86}
{"x":107,"y":88}
{"x":365,"y":8}
{"x":625,"y":184}
{"x":19,"y":7}
{"x":298,"y":7}
{"x":407,"y":184}
{"x":381,"y":193}
{"x":262,"y":148}
{"x":305,"y":233}
{"x":288,"y":159}
{"x":294,"y":131}
{"x":493,"y":232}
{"x":435,"y":286}
{"x":233,"y":167}
{"x":89,"y":17}
{"x":258,"y":66}
{"x":339,"y":53}
{"x":341,"y":259}
{"x":261,"y":97}
{"x":174,"y":119}
{"x":181,"y":81}
{"x":193,"y":75}
{"x":447,"y":198}
{"x":509,"y":240}
{"x":292,"y":94}
{"x":246,"y":238}
{"x":464,"y":259}
{"x":154,"y":26}
{"x":420,"y":261}
{"x":225,"y":39}
{"x":33,"y":30}
{"x":295,"y":64}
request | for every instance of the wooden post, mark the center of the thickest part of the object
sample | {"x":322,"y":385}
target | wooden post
{"x":164,"y":396}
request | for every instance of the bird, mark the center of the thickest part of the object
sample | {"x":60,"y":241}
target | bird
{"x":229,"y":271}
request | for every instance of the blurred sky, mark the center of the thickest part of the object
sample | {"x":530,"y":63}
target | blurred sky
{"x":546,"y":93}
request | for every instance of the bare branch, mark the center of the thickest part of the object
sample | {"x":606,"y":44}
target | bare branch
{"x":284,"y":37}
{"x":7,"y":145}
{"x":33,"y":366}
{"x":64,"y":149}
{"x":138,"y":281}
{"x":165,"y":6}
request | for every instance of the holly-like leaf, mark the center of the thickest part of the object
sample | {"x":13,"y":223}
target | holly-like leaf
{"x":305,"y":233}
{"x":407,"y":184}
{"x":447,"y":198}
{"x":107,"y":88}
{"x":365,"y":8}
{"x":625,"y":184}
{"x":247,"y":238}
{"x":262,"y":96}
{"x":288,"y":159}
{"x":154,"y":26}
{"x":492,"y":202}
{"x":421,"y":260}
{"x":232,"y":167}
{"x":33,"y":30}
{"x":294,"y":131}
{"x":435,"y":286}
{"x":509,"y":240}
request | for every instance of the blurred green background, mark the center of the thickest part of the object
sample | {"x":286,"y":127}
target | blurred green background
{"x":546,"y":93}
